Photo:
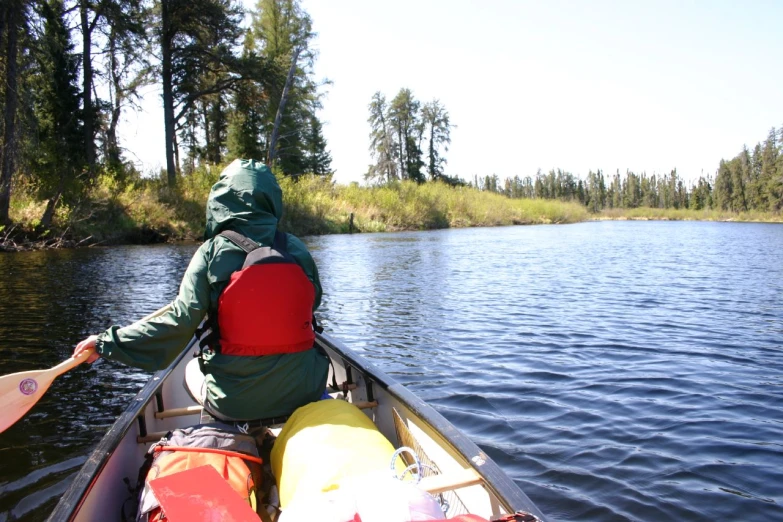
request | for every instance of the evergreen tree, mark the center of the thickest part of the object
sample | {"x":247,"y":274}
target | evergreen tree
{"x":596,"y":191}
{"x":723,"y":187}
{"x":775,"y":186}
{"x":14,"y":16}
{"x":382,"y":145}
{"x":615,"y":195}
{"x":701,"y":195}
{"x":317,"y":157}
{"x":197,"y":39}
{"x":436,"y":123}
{"x":404,"y":119}
{"x":246,"y":117}
{"x":60,"y":156}
{"x":739,"y":176}
{"x":769,"y":173}
{"x":284,"y":35}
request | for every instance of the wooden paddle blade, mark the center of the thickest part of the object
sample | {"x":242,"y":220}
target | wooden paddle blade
{"x":200,"y":495}
{"x":19,"y":392}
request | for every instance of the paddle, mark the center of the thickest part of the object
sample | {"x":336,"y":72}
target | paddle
{"x":20,"y":391}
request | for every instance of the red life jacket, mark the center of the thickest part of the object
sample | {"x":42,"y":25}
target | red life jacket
{"x":267,"y":307}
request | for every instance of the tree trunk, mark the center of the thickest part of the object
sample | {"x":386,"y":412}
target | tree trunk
{"x":280,"y":108}
{"x":89,"y":117}
{"x":112,"y":144}
{"x":168,"y":95}
{"x":12,"y":22}
{"x":207,"y":132}
{"x":175,"y":146}
{"x":216,"y":127}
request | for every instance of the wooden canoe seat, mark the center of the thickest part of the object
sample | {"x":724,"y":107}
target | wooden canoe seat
{"x":453,"y":480}
{"x":179,"y":412}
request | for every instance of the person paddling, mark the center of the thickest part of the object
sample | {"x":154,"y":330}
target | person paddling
{"x":258,"y":357}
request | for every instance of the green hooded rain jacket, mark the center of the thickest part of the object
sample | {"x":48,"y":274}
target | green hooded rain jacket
{"x":248,"y":200}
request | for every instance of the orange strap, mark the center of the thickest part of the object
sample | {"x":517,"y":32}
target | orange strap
{"x":228,"y":453}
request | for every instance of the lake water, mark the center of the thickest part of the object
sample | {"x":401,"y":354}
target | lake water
{"x":615,"y":370}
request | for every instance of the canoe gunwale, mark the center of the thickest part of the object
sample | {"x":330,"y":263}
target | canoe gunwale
{"x":69,"y":504}
{"x":495,"y":479}
{"x":497,"y":482}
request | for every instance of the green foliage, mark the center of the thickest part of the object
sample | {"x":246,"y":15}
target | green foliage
{"x":397,"y":130}
{"x":405,"y":122}
{"x":435,"y":121}
{"x":752,"y":182}
{"x":382,"y":147}
{"x":282,"y":31}
{"x":748,"y":183}
{"x":317,"y":159}
{"x":59,"y":156}
{"x":246,"y":118}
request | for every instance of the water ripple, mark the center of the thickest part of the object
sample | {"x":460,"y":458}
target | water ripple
{"x":616,"y":371}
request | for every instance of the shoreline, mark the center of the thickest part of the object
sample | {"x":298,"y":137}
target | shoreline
{"x":144,"y":235}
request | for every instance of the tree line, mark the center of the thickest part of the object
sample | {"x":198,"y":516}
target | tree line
{"x":72,"y":68}
{"x":749,"y":181}
{"x":408,"y":141}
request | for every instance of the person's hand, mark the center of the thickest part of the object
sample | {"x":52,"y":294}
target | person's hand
{"x":87,"y":345}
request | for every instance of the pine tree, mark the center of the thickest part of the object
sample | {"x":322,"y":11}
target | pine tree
{"x":404,"y":119}
{"x":60,"y":156}
{"x":197,"y":40}
{"x":14,"y":15}
{"x":382,"y":145}
{"x":317,"y":157}
{"x":436,"y":123}
{"x":775,"y":186}
{"x":723,"y":187}
{"x":283,"y":32}
{"x":770,"y":160}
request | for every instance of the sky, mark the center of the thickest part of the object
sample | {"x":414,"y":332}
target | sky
{"x":577,"y":85}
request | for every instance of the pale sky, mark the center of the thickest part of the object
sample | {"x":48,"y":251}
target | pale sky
{"x":578,"y":85}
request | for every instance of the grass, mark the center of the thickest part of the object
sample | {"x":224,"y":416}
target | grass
{"x":671,"y":214}
{"x":145,"y":209}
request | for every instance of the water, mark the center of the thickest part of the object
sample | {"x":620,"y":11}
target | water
{"x":616,"y":371}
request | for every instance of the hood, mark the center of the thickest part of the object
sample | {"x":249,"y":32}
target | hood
{"x":246,"y":199}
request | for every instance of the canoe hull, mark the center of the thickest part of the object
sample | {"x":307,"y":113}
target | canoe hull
{"x":99,"y":490}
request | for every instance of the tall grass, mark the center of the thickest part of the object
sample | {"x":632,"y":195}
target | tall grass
{"x":315,"y":206}
{"x":684,"y":214}
{"x":146,"y":209}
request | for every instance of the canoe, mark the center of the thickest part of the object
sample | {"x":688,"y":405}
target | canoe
{"x":457,"y":470}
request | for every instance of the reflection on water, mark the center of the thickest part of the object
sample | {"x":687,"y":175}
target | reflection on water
{"x":617,"y":371}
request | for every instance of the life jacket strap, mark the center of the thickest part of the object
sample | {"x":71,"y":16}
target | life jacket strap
{"x":245,"y":243}
{"x":208,"y":333}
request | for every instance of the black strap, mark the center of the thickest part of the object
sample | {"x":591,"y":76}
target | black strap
{"x":318,"y":328}
{"x":279,"y":243}
{"x":246,"y":244}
